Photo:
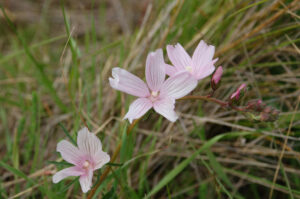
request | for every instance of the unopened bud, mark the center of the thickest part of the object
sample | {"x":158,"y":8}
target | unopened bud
{"x":268,"y":109}
{"x":238,"y":94}
{"x":216,"y":78}
{"x":264,"y":117}
{"x":269,"y":114}
{"x":256,"y":105}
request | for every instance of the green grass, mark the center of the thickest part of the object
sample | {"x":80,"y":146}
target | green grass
{"x":54,"y":72}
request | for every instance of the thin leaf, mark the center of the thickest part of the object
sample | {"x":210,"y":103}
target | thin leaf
{"x":67,"y":134}
{"x":62,"y":163}
{"x":173,"y":173}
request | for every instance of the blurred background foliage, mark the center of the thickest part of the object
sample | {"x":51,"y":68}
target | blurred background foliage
{"x":55,"y":60}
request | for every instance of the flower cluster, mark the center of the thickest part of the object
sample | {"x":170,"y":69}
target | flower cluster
{"x":257,"y":110}
{"x":160,"y":93}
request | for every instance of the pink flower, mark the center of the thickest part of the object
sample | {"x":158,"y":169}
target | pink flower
{"x":86,"y":158}
{"x":157,"y":93}
{"x":199,"y":66}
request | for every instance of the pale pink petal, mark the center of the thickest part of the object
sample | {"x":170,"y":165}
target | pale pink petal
{"x":88,"y":142}
{"x":170,"y":70}
{"x":69,"y":152}
{"x":138,"y":108}
{"x":124,"y":81}
{"x":165,"y":107}
{"x":206,"y":71}
{"x":62,"y":174}
{"x":155,"y":70}
{"x":179,"y":57}
{"x":100,"y":159}
{"x":202,"y":59}
{"x":203,"y":53}
{"x":86,"y":181}
{"x":178,"y":85}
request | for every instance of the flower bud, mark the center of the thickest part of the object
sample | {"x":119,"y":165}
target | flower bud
{"x":216,"y":78}
{"x":269,"y":114}
{"x":256,"y":105}
{"x":268,"y":109}
{"x":238,"y":94}
{"x":264,"y":117}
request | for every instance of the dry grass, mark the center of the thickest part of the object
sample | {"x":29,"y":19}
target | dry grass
{"x":257,"y":43}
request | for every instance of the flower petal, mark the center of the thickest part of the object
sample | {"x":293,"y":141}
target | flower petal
{"x":88,"y":142}
{"x":206,"y":71}
{"x":178,"y":85}
{"x":86,"y":181}
{"x":178,"y":56}
{"x":124,"y":81}
{"x":170,"y":70}
{"x":69,"y":152}
{"x":165,"y":107}
{"x":100,"y":159}
{"x":138,"y":108}
{"x":202,"y":59}
{"x":155,"y":70}
{"x":62,"y":174}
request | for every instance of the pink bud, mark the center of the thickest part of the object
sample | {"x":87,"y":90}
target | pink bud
{"x":268,"y":109}
{"x":216,"y":78}
{"x":238,"y":94}
{"x":269,"y":114}
{"x":259,"y":102}
{"x":242,"y":87}
{"x":264,"y":117}
{"x":256,"y":105}
{"x":235,"y":95}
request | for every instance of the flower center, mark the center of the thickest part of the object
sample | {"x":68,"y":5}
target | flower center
{"x":154,"y":96}
{"x":189,"y":68}
{"x":86,"y":164}
{"x":154,"y":93}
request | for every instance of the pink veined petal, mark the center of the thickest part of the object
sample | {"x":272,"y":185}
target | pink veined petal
{"x":69,"y":152}
{"x":155,"y":70}
{"x":170,"y":70}
{"x":206,"y":71}
{"x":124,"y":81}
{"x":138,"y":108}
{"x":100,"y":159}
{"x":178,"y":85}
{"x":86,"y":181}
{"x":179,"y":57}
{"x":88,"y":142}
{"x":202,"y":57}
{"x":165,"y":107}
{"x":62,"y":174}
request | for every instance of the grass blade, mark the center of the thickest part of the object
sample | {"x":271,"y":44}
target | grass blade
{"x":172,"y":174}
{"x":67,"y":134}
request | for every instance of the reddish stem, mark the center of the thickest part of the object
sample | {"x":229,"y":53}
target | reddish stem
{"x":211,"y":99}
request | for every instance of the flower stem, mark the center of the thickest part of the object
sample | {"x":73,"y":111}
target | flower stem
{"x":114,"y":157}
{"x":129,"y":129}
{"x":206,"y":98}
{"x":211,"y":99}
